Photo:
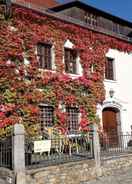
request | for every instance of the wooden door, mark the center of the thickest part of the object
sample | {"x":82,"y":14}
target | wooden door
{"x":110,"y":125}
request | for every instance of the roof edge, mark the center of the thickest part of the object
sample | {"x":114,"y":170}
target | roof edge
{"x":80,"y":3}
{"x":70,"y":20}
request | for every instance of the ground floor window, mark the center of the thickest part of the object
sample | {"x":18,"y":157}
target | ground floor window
{"x":46,"y":116}
{"x":73,"y":118}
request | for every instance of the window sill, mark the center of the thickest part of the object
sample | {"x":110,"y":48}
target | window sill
{"x":46,"y":70}
{"x":53,"y":71}
{"x":73,"y":75}
{"x":110,"y":81}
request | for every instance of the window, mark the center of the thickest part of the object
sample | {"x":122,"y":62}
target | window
{"x":70,"y":61}
{"x":90,"y":18}
{"x":115,"y":27}
{"x":46,"y":116}
{"x":44,"y":54}
{"x":73,"y":118}
{"x":109,"y":69}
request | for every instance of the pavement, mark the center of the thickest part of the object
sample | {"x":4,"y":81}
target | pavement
{"x":123,"y":176}
{"x":2,"y":181}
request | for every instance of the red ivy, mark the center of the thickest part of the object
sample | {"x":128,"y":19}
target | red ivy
{"x":23,"y":87}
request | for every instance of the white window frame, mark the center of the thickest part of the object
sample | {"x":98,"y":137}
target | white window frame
{"x":69,"y":45}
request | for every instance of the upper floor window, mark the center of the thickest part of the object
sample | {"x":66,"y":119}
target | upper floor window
{"x":70,"y":59}
{"x":90,"y":18}
{"x":109,"y":69}
{"x":46,"y":116}
{"x":115,"y":27}
{"x":44,"y":54}
{"x":73,"y":118}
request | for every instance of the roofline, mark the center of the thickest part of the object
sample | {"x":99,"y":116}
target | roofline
{"x":67,"y":19}
{"x":78,"y":2}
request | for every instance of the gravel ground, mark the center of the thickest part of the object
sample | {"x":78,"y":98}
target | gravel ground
{"x":2,"y":181}
{"x":123,"y":176}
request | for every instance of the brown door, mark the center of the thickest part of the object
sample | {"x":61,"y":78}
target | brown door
{"x":110,"y":124}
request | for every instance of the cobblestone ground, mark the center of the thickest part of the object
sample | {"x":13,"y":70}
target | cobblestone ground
{"x":119,"y":177}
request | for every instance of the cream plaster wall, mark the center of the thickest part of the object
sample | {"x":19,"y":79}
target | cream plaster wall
{"x":122,"y":87}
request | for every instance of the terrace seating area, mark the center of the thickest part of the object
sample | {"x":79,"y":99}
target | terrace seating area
{"x":53,"y":147}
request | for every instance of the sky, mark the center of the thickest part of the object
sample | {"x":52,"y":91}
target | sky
{"x":120,"y":8}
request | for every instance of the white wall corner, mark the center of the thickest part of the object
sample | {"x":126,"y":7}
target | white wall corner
{"x":26,"y":61}
{"x":99,"y":113}
{"x":79,"y":66}
{"x":53,"y":57}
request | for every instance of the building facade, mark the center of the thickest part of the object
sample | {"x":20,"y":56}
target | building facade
{"x":115,"y":111}
{"x":75,"y":64}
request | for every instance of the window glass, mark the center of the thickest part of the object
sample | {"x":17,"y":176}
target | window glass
{"x":70,"y":61}
{"x":90,"y":18}
{"x":44,"y":54}
{"x":109,"y":69}
{"x":73,"y":118}
{"x":46,"y":116}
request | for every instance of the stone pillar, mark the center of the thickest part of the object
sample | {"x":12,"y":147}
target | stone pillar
{"x":19,"y":153}
{"x":96,"y":149}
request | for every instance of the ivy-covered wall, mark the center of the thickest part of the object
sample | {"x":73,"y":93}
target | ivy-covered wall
{"x":24,"y":86}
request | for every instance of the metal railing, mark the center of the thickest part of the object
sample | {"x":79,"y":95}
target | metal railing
{"x":58,"y":150}
{"x":116,"y":144}
{"x":6,"y":152}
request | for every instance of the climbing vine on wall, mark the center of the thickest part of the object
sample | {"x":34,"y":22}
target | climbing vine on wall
{"x":23,"y":85}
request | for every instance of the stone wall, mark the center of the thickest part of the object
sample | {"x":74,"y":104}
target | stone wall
{"x":70,"y":173}
{"x":110,"y":165}
{"x":75,"y":172}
